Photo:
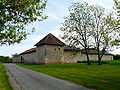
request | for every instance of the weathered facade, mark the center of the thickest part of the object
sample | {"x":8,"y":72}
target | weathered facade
{"x":50,"y":50}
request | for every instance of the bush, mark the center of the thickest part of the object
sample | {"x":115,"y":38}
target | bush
{"x":113,"y":62}
{"x":5,"y":59}
{"x":116,"y":57}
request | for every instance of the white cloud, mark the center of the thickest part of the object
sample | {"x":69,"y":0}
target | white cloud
{"x":52,"y":16}
{"x":34,"y":38}
{"x":56,"y":31}
{"x":56,"y":10}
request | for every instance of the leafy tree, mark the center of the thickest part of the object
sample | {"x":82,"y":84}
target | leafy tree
{"x":104,"y":31}
{"x":90,"y":26}
{"x":76,"y":27}
{"x":117,"y":7}
{"x":15,"y":15}
{"x":5,"y":59}
{"x":15,"y":55}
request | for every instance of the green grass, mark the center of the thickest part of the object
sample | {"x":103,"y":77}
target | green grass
{"x":103,"y":61}
{"x":4,"y":82}
{"x":105,"y":77}
{"x":113,"y":62}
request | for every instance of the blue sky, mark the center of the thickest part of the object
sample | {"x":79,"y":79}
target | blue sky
{"x":56,"y":10}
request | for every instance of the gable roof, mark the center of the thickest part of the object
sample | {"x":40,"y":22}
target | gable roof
{"x":50,"y":40}
{"x":28,"y":51}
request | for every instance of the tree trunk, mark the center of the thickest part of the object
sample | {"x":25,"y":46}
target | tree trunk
{"x":88,"y":60}
{"x":99,"y":58}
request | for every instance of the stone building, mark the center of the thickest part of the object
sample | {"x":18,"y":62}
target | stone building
{"x":50,"y":50}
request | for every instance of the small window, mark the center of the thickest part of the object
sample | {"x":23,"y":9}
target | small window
{"x":58,"y":48}
{"x":55,"y":48}
{"x":45,"y":52}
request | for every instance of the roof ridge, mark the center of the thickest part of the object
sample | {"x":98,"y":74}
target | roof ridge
{"x":46,"y":38}
{"x":50,"y":39}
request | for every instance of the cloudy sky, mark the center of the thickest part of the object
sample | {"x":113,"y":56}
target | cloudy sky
{"x":55,"y":10}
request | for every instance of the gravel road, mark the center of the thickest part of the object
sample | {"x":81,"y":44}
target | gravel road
{"x":31,"y":80}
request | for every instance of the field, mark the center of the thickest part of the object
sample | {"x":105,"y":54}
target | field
{"x":104,"y":77}
{"x":4,"y":83}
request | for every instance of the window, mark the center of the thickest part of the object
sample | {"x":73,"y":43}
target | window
{"x":45,"y":52}
{"x":58,"y":48}
{"x":55,"y":48}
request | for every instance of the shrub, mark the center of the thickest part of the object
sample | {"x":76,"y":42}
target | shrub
{"x":116,"y":57}
{"x":5,"y":59}
{"x":113,"y":62}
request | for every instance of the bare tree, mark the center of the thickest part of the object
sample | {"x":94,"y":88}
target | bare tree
{"x":104,"y":31}
{"x":76,"y":27}
{"x":90,"y":26}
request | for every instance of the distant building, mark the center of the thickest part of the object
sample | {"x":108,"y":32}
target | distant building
{"x":50,"y":50}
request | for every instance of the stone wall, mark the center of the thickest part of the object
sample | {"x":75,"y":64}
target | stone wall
{"x":29,"y":57}
{"x":74,"y":56}
{"x":40,"y":54}
{"x":16,"y":59}
{"x":54,"y":54}
{"x":105,"y":57}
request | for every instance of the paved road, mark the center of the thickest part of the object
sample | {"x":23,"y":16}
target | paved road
{"x":31,"y":80}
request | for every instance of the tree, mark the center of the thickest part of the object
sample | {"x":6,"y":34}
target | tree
{"x":15,"y":55}
{"x":104,"y":31}
{"x":90,"y":26}
{"x":15,"y":15}
{"x":117,"y":8}
{"x":5,"y":59}
{"x":76,"y":27}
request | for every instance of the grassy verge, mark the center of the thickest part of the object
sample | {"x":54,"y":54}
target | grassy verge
{"x":4,"y":82}
{"x":105,"y":77}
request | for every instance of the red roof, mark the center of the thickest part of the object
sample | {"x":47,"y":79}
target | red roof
{"x":50,"y":40}
{"x":29,"y":51}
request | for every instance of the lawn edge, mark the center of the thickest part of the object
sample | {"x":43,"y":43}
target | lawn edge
{"x":12,"y":80}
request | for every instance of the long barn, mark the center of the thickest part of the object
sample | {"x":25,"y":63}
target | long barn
{"x":50,"y":50}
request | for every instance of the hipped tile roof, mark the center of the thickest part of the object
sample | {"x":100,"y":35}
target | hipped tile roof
{"x":50,"y":40}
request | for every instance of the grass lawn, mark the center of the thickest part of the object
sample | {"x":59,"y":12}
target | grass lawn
{"x":105,"y":77}
{"x":4,"y":83}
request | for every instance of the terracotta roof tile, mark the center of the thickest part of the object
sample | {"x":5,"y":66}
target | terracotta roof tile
{"x":28,"y":51}
{"x":50,"y":40}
